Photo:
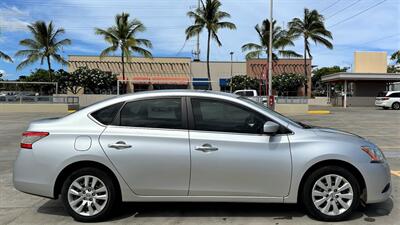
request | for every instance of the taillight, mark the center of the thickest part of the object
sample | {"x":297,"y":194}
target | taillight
{"x":385,"y":98}
{"x":30,"y":137}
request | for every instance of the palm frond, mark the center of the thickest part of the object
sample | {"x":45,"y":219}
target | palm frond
{"x":251,"y":46}
{"x":5,"y":57}
{"x":28,"y":61}
{"x":254,"y":54}
{"x":289,"y":53}
{"x":193,"y":31}
{"x":142,"y":52}
{"x":108,"y":50}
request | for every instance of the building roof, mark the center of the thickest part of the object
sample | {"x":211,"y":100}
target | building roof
{"x":259,"y":67}
{"x":390,"y":77}
{"x":140,"y":70}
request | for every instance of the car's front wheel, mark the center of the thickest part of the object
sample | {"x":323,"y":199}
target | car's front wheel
{"x":331,"y":193}
{"x":89,"y":195}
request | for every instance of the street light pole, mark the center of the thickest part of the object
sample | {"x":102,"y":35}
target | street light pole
{"x":230,"y":86}
{"x":270,"y":50}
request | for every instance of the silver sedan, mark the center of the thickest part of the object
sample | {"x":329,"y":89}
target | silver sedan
{"x":196,"y":146}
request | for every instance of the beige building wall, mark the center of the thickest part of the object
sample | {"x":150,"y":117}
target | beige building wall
{"x":218,"y":70}
{"x":370,"y":62}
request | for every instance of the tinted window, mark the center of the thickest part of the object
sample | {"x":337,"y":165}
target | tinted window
{"x":212,"y":115}
{"x":395,"y":95}
{"x":107,"y":114}
{"x":157,"y":113}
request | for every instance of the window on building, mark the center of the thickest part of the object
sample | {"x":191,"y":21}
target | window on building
{"x":156,"y":113}
{"x":214,"y":115}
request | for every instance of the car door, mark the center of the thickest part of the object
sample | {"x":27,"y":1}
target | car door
{"x":149,"y":146}
{"x":230,"y":155}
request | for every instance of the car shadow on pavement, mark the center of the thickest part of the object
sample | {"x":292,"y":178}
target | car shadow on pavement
{"x":222,"y":210}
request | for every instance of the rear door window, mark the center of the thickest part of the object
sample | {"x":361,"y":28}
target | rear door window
{"x":395,"y":95}
{"x":154,"y":113}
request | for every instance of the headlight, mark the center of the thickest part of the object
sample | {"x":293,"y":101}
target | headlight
{"x":374,"y":153}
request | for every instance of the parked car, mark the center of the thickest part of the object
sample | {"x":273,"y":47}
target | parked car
{"x":196,"y":146}
{"x":252,"y":94}
{"x":388,"y":99}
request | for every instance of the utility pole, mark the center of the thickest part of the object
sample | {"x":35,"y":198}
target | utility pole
{"x":230,"y":86}
{"x":270,"y":51}
{"x":196,"y":52}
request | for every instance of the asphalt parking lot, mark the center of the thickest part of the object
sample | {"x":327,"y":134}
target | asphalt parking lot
{"x":380,"y":126}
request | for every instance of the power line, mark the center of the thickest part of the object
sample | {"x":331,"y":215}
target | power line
{"x":359,"y":13}
{"x":330,"y":6}
{"x":342,"y":10}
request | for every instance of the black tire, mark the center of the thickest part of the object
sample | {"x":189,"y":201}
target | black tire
{"x":306,"y":195}
{"x":396,"y":106}
{"x":111,"y":203}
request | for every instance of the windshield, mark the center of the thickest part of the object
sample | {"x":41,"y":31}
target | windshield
{"x":278,"y":115}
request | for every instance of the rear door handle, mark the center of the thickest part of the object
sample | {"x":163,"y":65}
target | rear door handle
{"x":119,"y":145}
{"x":206,"y":148}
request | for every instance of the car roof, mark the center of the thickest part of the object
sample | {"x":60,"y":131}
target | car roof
{"x":391,"y":92}
{"x":162,"y":93}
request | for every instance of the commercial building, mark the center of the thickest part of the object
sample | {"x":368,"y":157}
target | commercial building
{"x":183,"y":73}
{"x":362,"y":85}
{"x":259,"y":68}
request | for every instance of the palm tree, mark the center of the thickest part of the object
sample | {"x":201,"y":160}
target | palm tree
{"x":209,"y":17}
{"x":396,"y":57}
{"x":43,"y":46}
{"x":122,"y":37}
{"x":280,"y":37}
{"x":311,"y":27}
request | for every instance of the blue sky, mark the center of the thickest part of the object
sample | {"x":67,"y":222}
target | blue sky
{"x":377,"y":29}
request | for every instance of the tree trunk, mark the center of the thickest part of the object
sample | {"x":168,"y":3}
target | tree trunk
{"x":49,"y":65}
{"x":208,"y":60}
{"x":123,"y":86}
{"x":305,"y":68}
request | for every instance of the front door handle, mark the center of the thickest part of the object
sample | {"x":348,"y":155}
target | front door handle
{"x":119,"y":145}
{"x":206,"y":148}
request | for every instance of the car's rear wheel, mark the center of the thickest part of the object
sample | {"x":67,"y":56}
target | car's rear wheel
{"x":89,"y":195}
{"x":396,"y":106}
{"x":331,"y":193}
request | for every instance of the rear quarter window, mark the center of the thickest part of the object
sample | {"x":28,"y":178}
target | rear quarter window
{"x":106,"y":115}
{"x":382,"y":94}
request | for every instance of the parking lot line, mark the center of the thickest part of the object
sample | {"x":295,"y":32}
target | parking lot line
{"x":396,"y":173}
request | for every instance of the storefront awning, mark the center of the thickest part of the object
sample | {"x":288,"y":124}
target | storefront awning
{"x":182,"y":80}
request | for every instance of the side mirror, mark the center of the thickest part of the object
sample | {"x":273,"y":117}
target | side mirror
{"x":271,"y":128}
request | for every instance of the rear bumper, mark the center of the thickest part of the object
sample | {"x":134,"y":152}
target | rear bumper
{"x":30,"y":177}
{"x":382,"y":103}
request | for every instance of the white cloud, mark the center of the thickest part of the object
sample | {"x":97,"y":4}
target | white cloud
{"x":12,"y":18}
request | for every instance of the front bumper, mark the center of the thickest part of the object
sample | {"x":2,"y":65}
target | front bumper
{"x":378,"y":181}
{"x":30,"y":177}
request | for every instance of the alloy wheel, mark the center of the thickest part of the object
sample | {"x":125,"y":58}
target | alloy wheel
{"x":332,"y":195}
{"x":87,"y":195}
